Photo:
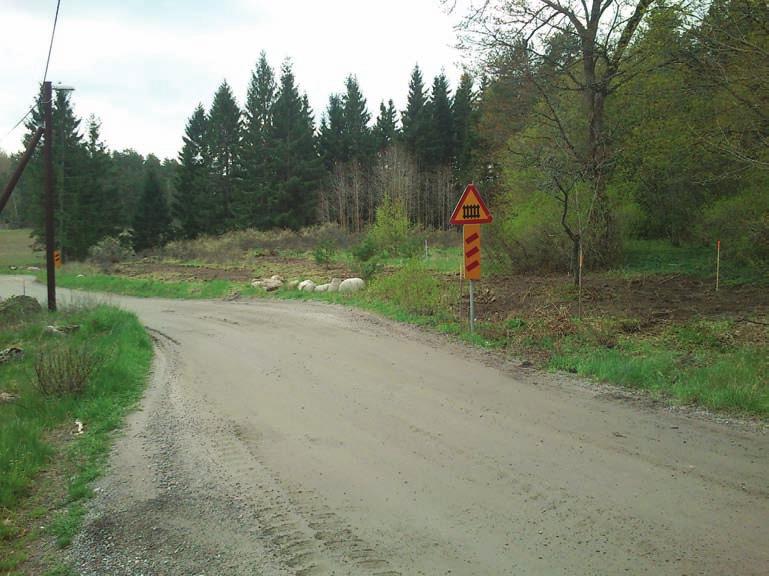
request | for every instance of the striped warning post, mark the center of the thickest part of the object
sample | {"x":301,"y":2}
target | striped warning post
{"x":472,"y":251}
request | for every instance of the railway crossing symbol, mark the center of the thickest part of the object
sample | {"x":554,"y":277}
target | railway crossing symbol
{"x":471,"y":209}
{"x":471,"y":212}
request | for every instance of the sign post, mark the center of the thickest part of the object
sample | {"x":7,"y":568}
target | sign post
{"x":470,"y":212}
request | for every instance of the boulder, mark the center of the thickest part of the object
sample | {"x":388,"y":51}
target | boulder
{"x":12,"y":353}
{"x":352,"y":285}
{"x":18,"y":307}
{"x":292,"y":285}
{"x":322,"y":288}
{"x":334,"y":285}
{"x":307,"y":286}
{"x":268,"y":284}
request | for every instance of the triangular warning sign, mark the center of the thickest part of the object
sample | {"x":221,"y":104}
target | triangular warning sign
{"x":471,"y":208}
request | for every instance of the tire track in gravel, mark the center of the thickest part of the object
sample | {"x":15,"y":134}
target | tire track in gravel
{"x":188,"y":493}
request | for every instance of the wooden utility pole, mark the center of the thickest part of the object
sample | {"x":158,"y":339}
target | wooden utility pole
{"x":48,"y":161}
{"x":8,"y":190}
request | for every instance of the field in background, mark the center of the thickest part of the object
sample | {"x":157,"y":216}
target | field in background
{"x":16,"y":250}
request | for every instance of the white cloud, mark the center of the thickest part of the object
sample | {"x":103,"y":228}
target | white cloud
{"x":143,"y":72}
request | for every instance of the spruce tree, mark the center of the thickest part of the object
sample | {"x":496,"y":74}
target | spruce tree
{"x":331,"y":140}
{"x":152,"y":222}
{"x":357,"y":134}
{"x":252,"y":206}
{"x":191,"y":205}
{"x":463,"y":110}
{"x":386,"y":128}
{"x":100,"y":205}
{"x":297,"y":167}
{"x":439,"y":145}
{"x":415,"y":119}
{"x":223,"y":147}
{"x":69,"y":158}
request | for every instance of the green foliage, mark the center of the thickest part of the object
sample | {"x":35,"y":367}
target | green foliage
{"x":413,"y":288}
{"x":124,"y":350}
{"x":223,"y":159}
{"x":694,"y":363}
{"x":365,"y":250}
{"x":392,"y":233}
{"x":741,"y":222}
{"x":526,"y":234}
{"x":111,"y":250}
{"x":324,"y":253}
{"x":152,"y":223}
{"x":191,"y":203}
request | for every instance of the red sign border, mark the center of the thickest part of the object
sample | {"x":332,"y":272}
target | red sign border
{"x":457,"y":208}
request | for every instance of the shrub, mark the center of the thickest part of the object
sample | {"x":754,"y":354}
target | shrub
{"x":64,"y":370}
{"x":365,"y":251}
{"x":742,"y":223}
{"x":111,"y":250}
{"x":413,"y":288}
{"x":324,"y":253}
{"x":391,"y":233}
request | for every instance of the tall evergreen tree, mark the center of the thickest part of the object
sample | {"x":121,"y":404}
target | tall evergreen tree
{"x":332,"y":133}
{"x":297,"y":167}
{"x":256,"y":146}
{"x":439,"y":147}
{"x":415,"y":119}
{"x":223,"y":146}
{"x":462,"y":108}
{"x":386,"y":127}
{"x":69,"y":156}
{"x":100,"y":205}
{"x":357,"y":134}
{"x":152,"y":223}
{"x":191,"y":205}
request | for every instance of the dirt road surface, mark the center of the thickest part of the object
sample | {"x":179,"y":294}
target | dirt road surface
{"x":285,"y":438}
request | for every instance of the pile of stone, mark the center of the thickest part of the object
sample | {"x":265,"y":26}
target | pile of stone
{"x":336,"y":285}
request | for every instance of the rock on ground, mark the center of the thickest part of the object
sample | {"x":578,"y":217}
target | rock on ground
{"x":352,"y":285}
{"x":307,"y":286}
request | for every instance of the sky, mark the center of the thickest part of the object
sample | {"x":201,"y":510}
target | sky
{"x":141,"y":66}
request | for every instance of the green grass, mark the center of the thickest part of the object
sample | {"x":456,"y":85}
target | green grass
{"x":34,"y":429}
{"x":16,"y":250}
{"x":146,"y":287}
{"x":643,"y":257}
{"x":694,"y":363}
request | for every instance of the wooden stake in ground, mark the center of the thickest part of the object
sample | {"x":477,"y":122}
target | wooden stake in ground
{"x":718,"y":262}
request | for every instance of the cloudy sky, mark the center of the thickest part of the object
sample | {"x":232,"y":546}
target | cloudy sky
{"x":141,"y":66}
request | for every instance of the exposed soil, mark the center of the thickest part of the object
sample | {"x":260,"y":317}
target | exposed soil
{"x":650,"y":300}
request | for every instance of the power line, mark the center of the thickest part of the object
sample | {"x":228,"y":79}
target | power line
{"x":50,"y":46}
{"x":45,"y":74}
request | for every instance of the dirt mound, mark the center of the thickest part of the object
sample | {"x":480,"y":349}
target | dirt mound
{"x":17,"y":308}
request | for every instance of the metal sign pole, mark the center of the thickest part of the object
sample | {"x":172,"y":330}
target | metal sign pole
{"x":472,"y":307}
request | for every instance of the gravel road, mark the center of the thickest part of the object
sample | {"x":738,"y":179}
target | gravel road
{"x":287,"y":438}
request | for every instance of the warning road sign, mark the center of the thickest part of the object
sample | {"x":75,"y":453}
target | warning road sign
{"x":57,"y":258}
{"x":471,"y":209}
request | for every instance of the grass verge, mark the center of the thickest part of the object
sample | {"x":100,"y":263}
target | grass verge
{"x":47,"y":468}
